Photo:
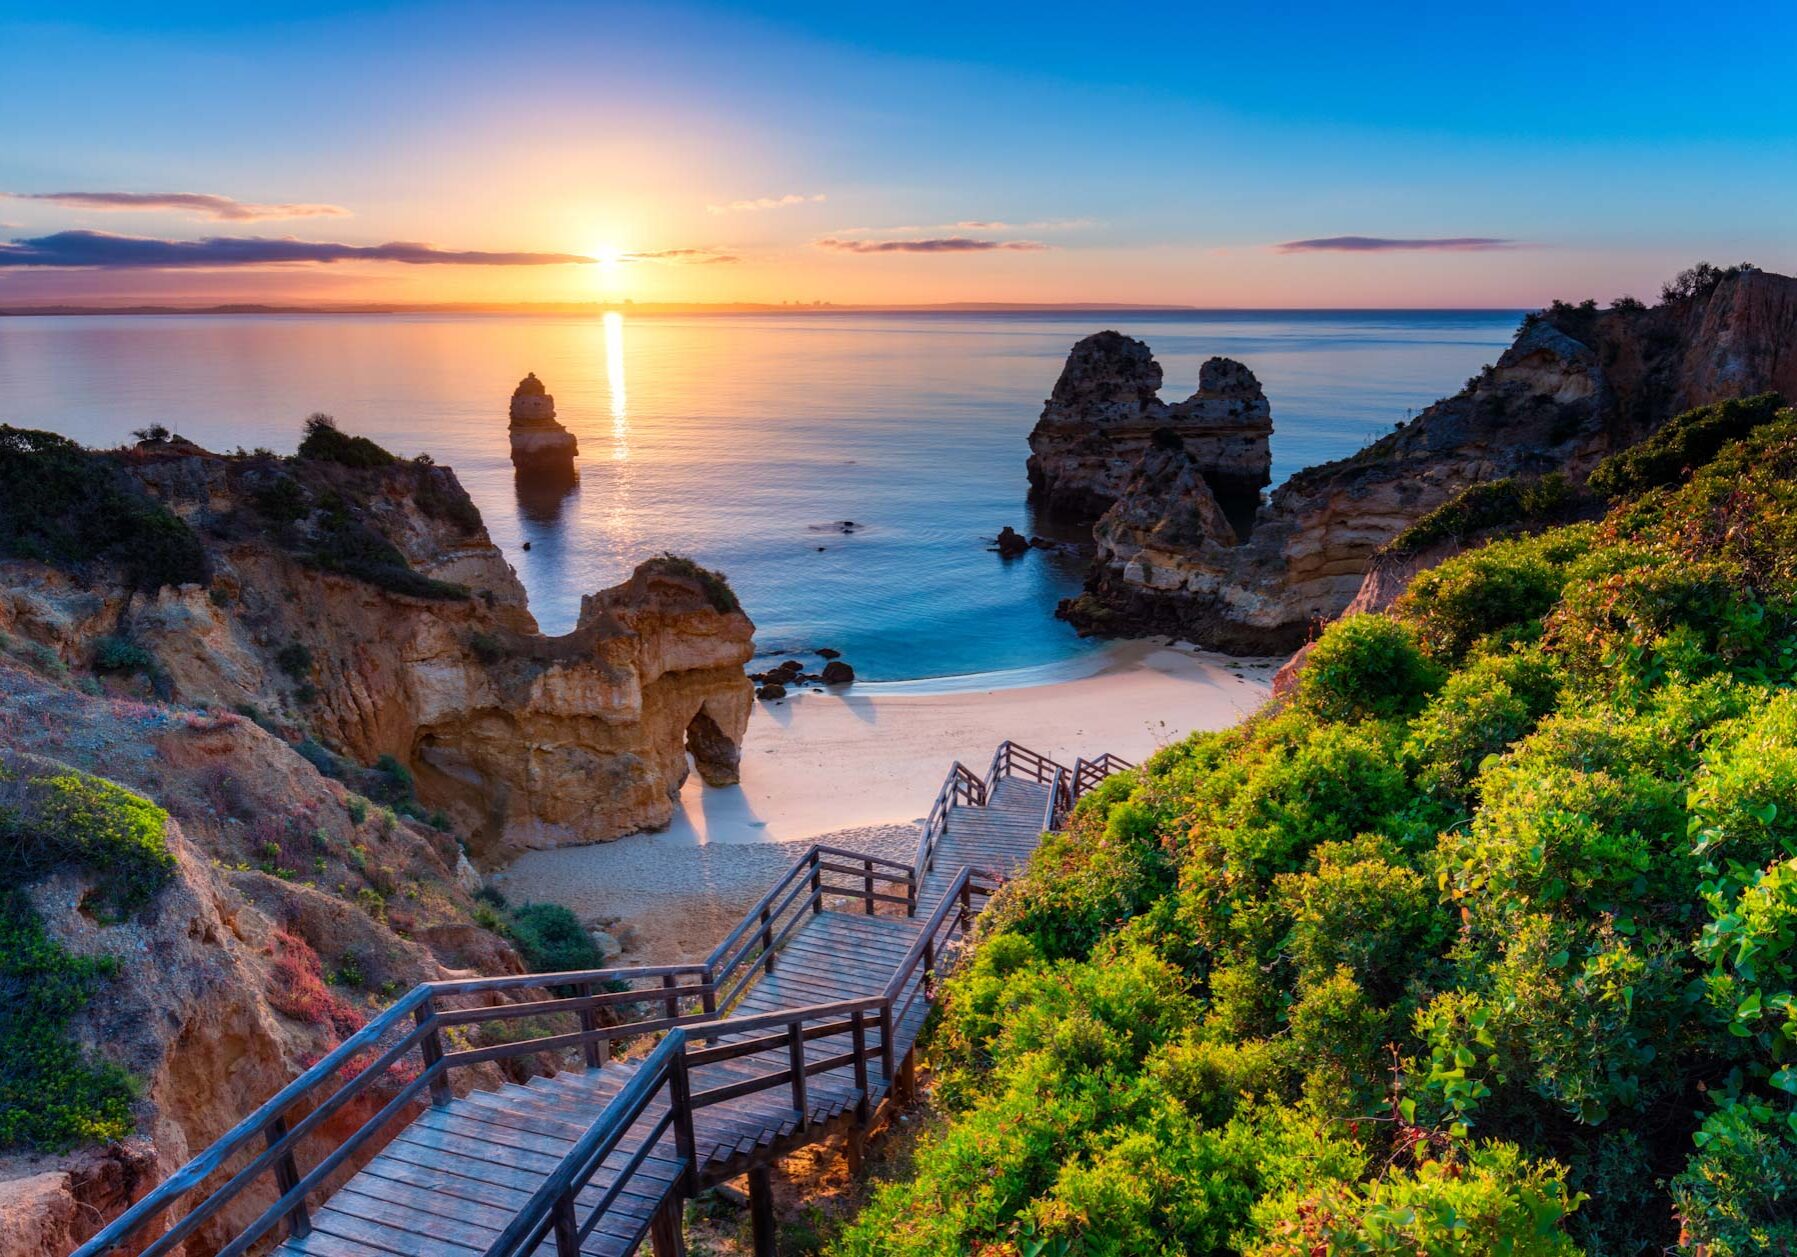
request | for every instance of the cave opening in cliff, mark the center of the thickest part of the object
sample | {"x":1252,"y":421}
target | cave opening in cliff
{"x":713,"y":753}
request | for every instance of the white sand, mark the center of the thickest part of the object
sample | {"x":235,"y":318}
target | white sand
{"x":869,"y":759}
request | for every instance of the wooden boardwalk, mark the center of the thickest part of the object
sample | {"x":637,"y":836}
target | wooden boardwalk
{"x":800,"y":1026}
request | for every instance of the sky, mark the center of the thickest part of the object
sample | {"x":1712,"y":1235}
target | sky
{"x":1243,"y":155}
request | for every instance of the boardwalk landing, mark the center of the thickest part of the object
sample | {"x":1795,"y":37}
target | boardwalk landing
{"x":824,"y":988}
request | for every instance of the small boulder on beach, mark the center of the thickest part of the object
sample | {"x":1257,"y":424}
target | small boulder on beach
{"x":773,"y":689}
{"x":836,"y":672}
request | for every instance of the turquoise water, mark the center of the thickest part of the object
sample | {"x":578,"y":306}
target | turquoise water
{"x":742,"y":439}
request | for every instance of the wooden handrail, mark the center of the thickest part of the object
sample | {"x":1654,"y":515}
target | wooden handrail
{"x":556,"y":1196}
{"x":800,"y":890}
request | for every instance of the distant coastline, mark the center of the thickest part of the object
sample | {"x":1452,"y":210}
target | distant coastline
{"x":689,"y":308}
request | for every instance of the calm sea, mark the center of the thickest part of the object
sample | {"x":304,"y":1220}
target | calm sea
{"x":741,"y":439}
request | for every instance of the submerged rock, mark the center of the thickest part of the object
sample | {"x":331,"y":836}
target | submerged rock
{"x":1012,"y":543}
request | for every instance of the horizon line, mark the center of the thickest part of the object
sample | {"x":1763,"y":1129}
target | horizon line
{"x":713,"y":307}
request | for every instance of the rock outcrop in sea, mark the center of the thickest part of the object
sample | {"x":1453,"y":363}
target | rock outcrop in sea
{"x":1576,"y":384}
{"x":1106,"y":413}
{"x":541,"y":447}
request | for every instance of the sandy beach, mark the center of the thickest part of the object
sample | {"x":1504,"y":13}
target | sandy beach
{"x":859,"y":767}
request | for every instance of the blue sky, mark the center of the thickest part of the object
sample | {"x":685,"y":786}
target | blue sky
{"x":1125,"y":153}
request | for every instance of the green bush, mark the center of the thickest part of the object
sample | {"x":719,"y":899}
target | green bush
{"x":58,"y":817}
{"x":294,"y":660}
{"x":1684,"y":444}
{"x":551,"y":939}
{"x":1502,"y":588}
{"x":325,"y":442}
{"x":122,"y":655}
{"x":1366,"y":667}
{"x":717,"y":588}
{"x":1481,"y":508}
{"x":53,"y":1097}
{"x":65,"y":505}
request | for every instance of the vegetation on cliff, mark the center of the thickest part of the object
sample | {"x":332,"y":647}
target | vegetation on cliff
{"x":1484,"y":942}
{"x":52,"y":1095}
{"x":60,"y":503}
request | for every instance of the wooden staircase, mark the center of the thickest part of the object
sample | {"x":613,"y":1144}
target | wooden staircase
{"x":800,"y":1025}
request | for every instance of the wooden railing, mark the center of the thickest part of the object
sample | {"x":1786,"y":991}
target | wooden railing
{"x":1089,"y":772}
{"x":405,"y":1049}
{"x":661,"y":1076}
{"x":601,"y":1007}
{"x":801,"y":891}
{"x":411,"y":1060}
{"x":960,"y":786}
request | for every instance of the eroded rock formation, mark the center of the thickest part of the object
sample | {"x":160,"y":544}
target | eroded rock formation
{"x":1576,"y":384}
{"x":541,"y":448}
{"x":1105,"y":413}
{"x":369,"y":609}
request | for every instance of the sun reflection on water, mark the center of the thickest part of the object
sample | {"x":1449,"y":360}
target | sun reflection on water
{"x":614,"y":380}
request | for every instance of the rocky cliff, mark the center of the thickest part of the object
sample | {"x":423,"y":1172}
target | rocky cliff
{"x":1576,"y":384}
{"x":364,"y":607}
{"x":1106,"y":412}
{"x":541,"y":447}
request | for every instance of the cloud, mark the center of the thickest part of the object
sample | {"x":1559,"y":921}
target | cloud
{"x":692,"y":256}
{"x":764,"y":203}
{"x":938,"y":244}
{"x":99,"y":248}
{"x":200,"y":204}
{"x":974,"y":224}
{"x":1385,"y":244}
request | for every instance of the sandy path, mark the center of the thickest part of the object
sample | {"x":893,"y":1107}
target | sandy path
{"x":859,"y":769}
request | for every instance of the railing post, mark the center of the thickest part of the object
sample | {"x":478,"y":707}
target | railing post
{"x":672,"y":1002}
{"x":680,"y":1098}
{"x":589,"y":1027}
{"x":432,"y":1048}
{"x":911,"y":893}
{"x":767,"y":941}
{"x":567,"y":1231}
{"x":886,"y":1061}
{"x":858,"y":1037}
{"x":929,"y":965}
{"x":796,"y":1053}
{"x":817,"y":884}
{"x":966,"y":903}
{"x":287,"y":1177}
{"x":867,"y":885}
{"x":708,"y":998}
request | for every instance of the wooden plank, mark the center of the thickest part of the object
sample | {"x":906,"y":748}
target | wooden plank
{"x":397,"y":1240}
{"x":321,"y":1244}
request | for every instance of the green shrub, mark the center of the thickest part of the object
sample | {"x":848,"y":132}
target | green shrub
{"x":295,"y":660}
{"x":551,"y":939}
{"x":56,"y":817}
{"x":53,"y":1097}
{"x":68,"y":506}
{"x":282,"y":500}
{"x":122,"y":655}
{"x":717,"y":589}
{"x":1492,"y":1201}
{"x":325,"y":442}
{"x":351,"y":548}
{"x":1684,"y":444}
{"x":1482,"y":710}
{"x":1502,"y":587}
{"x":1493,"y":504}
{"x":1366,"y":667}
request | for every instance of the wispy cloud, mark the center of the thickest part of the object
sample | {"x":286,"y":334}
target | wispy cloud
{"x":103,"y":249}
{"x":937,"y":244}
{"x":200,"y":204}
{"x":692,"y":256}
{"x":1387,"y":244}
{"x":765,"y":203}
{"x":973,"y":224}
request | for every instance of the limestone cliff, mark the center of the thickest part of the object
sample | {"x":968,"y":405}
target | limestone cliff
{"x":1106,"y":410}
{"x":292,"y":910}
{"x":1576,"y":384}
{"x":366,"y":607}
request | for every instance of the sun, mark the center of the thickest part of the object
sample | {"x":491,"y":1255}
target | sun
{"x":608,"y":256}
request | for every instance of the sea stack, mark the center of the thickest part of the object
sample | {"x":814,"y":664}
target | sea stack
{"x":1106,"y":413}
{"x":541,"y":447}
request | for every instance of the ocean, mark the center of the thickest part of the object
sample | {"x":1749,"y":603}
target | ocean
{"x":743,"y":440}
